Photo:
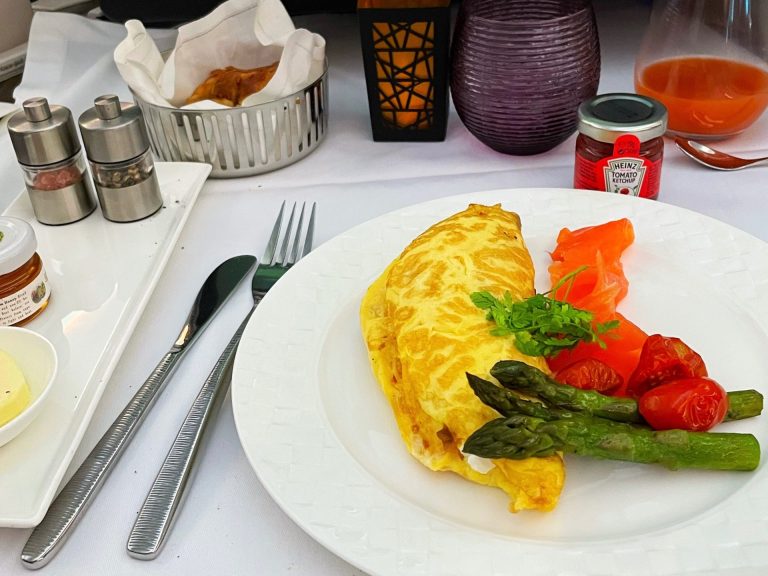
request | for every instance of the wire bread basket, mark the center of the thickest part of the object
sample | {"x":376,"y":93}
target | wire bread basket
{"x":241,"y":141}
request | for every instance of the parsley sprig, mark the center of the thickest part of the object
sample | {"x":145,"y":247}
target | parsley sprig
{"x":543,"y":326}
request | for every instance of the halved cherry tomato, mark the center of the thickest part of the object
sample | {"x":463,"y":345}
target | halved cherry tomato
{"x":663,"y":358}
{"x":591,"y":374}
{"x":687,"y":404}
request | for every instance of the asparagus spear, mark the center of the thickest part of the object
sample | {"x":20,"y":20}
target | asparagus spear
{"x":521,"y":436}
{"x":744,"y":404}
{"x":518,"y":375}
{"x":507,"y":403}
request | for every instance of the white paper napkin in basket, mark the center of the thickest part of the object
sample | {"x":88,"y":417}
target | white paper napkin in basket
{"x":240,"y":33}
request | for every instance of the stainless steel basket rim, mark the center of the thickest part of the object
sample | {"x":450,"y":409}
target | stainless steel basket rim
{"x":242,"y":140}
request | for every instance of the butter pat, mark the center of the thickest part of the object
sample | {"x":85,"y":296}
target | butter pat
{"x":14,"y":391}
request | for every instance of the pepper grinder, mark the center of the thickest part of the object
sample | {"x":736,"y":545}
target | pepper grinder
{"x":48,"y":150}
{"x":117,"y":147}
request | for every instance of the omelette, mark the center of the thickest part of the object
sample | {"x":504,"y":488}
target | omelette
{"x":423,"y":333}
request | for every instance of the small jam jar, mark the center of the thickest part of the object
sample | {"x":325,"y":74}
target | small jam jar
{"x":620,"y":146}
{"x":24,"y":289}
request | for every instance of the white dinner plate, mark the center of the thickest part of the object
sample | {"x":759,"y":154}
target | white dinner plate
{"x":101,"y":275}
{"x":322,"y":439}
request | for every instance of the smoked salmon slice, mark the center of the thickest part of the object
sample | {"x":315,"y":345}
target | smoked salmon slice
{"x":598,"y":288}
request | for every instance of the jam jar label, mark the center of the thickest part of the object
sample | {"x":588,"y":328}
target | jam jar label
{"x":25,"y":302}
{"x":625,"y":172}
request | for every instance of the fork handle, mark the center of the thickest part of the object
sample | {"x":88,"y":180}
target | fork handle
{"x":164,"y":498}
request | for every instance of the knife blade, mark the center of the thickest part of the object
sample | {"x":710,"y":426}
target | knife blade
{"x":73,"y":500}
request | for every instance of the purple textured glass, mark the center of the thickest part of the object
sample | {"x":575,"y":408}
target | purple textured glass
{"x":520,"y":69}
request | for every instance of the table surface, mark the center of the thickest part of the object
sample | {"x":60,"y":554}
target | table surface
{"x":229,"y":524}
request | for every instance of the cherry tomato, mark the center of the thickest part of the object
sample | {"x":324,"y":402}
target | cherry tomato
{"x":687,"y":404}
{"x":591,"y":374}
{"x":663,"y":358}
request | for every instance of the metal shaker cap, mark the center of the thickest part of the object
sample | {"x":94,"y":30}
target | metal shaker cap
{"x":43,"y":133}
{"x":113,"y":131}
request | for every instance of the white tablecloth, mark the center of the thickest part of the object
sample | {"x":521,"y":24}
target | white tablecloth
{"x":229,"y":524}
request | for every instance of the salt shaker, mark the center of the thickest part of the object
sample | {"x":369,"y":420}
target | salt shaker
{"x":117,"y":147}
{"x":48,"y":149}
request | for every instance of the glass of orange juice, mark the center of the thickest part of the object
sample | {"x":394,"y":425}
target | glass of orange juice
{"x":707,"y":61}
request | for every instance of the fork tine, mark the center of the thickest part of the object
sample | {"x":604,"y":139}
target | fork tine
{"x":284,"y":247}
{"x":297,"y":238}
{"x":310,"y":232}
{"x":269,"y":253}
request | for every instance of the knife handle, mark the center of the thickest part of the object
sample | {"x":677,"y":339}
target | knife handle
{"x":77,"y":494}
{"x":164,"y":498}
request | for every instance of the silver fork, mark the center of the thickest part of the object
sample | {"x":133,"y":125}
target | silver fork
{"x":163,"y":500}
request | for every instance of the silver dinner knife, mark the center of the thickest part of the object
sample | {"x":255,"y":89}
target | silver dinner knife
{"x":74,"y":498}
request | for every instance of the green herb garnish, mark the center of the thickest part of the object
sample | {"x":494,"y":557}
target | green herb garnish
{"x":543,"y":326}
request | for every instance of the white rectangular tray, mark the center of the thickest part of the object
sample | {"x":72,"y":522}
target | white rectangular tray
{"x":102,"y":275}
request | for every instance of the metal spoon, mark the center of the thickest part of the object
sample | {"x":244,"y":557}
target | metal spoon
{"x":714,"y":158}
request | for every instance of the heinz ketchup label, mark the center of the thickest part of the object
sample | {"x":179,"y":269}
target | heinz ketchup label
{"x":625,"y":171}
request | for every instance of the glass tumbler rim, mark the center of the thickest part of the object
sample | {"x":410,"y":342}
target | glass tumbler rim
{"x":563,"y":21}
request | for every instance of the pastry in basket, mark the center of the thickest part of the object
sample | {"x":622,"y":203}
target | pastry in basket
{"x":423,"y":334}
{"x":230,"y":85}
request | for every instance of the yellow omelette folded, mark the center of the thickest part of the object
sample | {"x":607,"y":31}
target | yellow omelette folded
{"x":423,"y":334}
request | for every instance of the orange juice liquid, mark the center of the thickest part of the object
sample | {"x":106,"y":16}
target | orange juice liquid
{"x":706,"y":96}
